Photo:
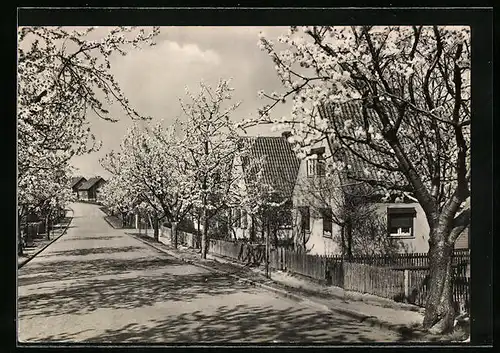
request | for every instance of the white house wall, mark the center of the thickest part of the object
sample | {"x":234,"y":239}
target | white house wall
{"x":320,"y":245}
{"x":419,"y":242}
{"x":317,"y":243}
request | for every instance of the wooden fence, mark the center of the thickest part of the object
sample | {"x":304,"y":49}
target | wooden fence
{"x":313,"y":266}
{"x":402,"y":277}
{"x":461,"y":293}
{"x":248,"y":253}
{"x":187,"y":239}
{"x":380,"y":281}
{"x":397,"y":282}
{"x":402,"y":261}
{"x":418,"y":289}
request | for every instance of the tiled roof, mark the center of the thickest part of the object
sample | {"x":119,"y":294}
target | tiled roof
{"x":76,"y":180}
{"x":89,"y":183}
{"x":281,"y":163}
{"x":358,"y":166}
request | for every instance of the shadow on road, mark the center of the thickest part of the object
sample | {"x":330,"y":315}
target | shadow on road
{"x":103,"y":237}
{"x":243,"y":323}
{"x":39,"y":273}
{"x":140,"y":282}
{"x":145,"y":289}
{"x":90,"y":251}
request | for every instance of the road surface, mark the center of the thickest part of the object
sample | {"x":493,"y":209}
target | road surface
{"x":97,"y":284}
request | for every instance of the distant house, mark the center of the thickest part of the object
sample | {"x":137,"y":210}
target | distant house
{"x":89,"y":190}
{"x":279,"y":171}
{"x":406,"y":221}
{"x":76,"y":182}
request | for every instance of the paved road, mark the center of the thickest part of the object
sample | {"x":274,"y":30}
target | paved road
{"x":97,"y":284}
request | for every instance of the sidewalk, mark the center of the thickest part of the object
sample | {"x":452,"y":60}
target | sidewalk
{"x":403,"y":318}
{"x":40,"y":244}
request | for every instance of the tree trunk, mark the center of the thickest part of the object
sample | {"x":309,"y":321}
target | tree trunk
{"x":439,"y":311}
{"x":204,"y":238}
{"x":267,"y":248}
{"x":174,"y":233}
{"x":229,"y":225}
{"x":47,"y":226}
{"x":198,"y":235}
{"x":20,"y":251}
{"x":124,"y":219}
{"x":349,"y":239}
{"x":275,"y":236}
{"x":156,"y":227}
{"x":252,"y":228}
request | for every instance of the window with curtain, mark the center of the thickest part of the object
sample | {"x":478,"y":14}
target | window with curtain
{"x":400,"y":221}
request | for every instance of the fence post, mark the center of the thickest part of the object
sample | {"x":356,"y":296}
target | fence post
{"x":407,"y":288}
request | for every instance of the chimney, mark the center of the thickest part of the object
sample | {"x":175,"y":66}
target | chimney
{"x":286,"y":134}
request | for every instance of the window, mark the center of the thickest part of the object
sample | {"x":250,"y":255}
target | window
{"x":400,"y":221}
{"x":311,"y":167}
{"x":305,"y":219}
{"x":327,"y":222}
{"x":237,"y":217}
{"x":316,"y":166}
{"x":244,"y":223}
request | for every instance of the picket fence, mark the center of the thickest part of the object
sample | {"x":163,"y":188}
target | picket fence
{"x":380,"y":281}
{"x":247,"y":253}
{"x":405,"y":261}
{"x":183,"y":238}
{"x":313,"y":266}
{"x":401,"y":277}
{"x":418,"y":284}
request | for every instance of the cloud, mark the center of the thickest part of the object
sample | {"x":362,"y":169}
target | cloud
{"x":154,"y":78}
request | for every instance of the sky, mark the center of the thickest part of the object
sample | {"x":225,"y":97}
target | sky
{"x":154,"y":78}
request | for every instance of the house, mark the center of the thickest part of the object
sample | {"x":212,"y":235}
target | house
{"x":76,"y":182}
{"x":278,"y":171}
{"x":89,"y":190}
{"x":320,"y":201}
{"x":463,"y":240}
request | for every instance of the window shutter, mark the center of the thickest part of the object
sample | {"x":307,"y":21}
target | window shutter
{"x":321,"y":167}
{"x":401,"y":221}
{"x":406,"y":211}
{"x":327,"y":221}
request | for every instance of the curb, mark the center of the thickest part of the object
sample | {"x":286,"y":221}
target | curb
{"x":105,"y":218}
{"x":21,"y":264}
{"x":371,"y":320}
{"x":108,"y":222}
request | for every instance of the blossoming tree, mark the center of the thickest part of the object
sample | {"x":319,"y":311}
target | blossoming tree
{"x":148,"y":166}
{"x":210,"y":144}
{"x":42,"y":193}
{"x":411,"y":85}
{"x":62,"y":76}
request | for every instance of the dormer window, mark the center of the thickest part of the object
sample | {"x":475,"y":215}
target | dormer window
{"x":316,"y":163}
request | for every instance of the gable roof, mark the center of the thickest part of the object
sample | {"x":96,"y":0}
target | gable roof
{"x":358,"y":166}
{"x":281,"y":165}
{"x":76,"y":180}
{"x":90,"y":183}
